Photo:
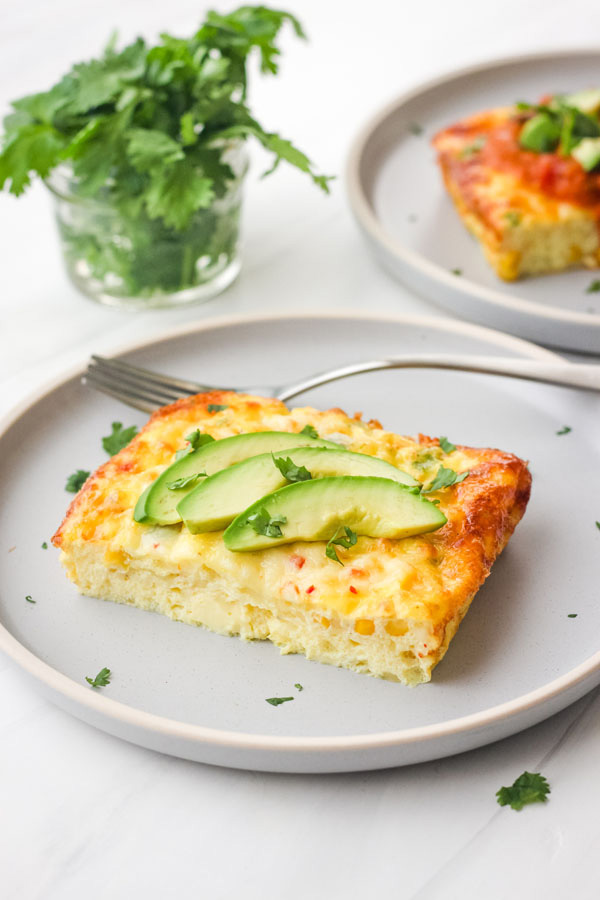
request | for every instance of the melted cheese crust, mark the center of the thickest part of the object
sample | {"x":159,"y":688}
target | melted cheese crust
{"x":522,"y":230}
{"x":391,"y":610}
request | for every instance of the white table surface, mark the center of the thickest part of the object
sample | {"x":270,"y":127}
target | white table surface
{"x":84,"y":815}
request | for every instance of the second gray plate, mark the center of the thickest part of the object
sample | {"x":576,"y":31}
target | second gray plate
{"x":400,"y":203}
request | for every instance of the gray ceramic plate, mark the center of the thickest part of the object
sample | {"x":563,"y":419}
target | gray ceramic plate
{"x":400,"y":203}
{"x":516,"y":659}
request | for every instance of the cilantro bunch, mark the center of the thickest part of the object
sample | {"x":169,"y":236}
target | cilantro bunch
{"x":148,"y":130}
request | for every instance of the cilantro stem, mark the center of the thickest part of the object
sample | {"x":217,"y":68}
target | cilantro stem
{"x":187,"y":266}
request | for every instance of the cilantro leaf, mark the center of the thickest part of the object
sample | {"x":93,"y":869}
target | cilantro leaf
{"x":571,"y":615}
{"x":347,"y":542}
{"x":530,"y":787}
{"x":593,"y":287}
{"x":415,"y":129}
{"x":263,"y":523}
{"x":44,"y":546}
{"x":101,"y":679}
{"x":298,"y":687}
{"x":446,"y":445}
{"x":216,"y":407}
{"x":186,"y":481}
{"x":513,"y":217}
{"x":471,"y":149}
{"x":30,"y":599}
{"x":456,"y":271}
{"x":310,"y":430}
{"x":444,"y":478}
{"x":277,"y":701}
{"x":118,"y":438}
{"x":598,"y":525}
{"x":564,"y":430}
{"x":290,"y":471}
{"x":197,"y":439}
{"x":175,"y":192}
{"x":148,"y":149}
{"x":76,"y":481}
{"x":37,"y":148}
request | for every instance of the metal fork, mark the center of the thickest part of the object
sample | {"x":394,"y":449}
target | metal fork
{"x":147,"y":390}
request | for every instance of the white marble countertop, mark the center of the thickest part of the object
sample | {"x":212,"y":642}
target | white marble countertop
{"x":84,"y":815}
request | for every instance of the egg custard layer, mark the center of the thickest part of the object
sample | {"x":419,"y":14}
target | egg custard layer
{"x":390,"y":610}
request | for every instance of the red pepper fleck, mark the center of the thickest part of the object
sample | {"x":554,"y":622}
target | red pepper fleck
{"x":353,"y":589}
{"x":298,"y":561}
{"x":155,"y":546}
{"x":310,"y":589}
{"x":421,"y":655}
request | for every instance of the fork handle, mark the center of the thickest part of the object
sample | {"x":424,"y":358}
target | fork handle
{"x":578,"y":375}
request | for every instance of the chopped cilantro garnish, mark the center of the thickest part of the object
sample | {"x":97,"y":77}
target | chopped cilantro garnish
{"x":263,"y":523}
{"x":530,"y":787}
{"x":76,"y":481}
{"x":415,"y":129}
{"x":347,"y":542}
{"x":186,"y":481}
{"x":44,"y":546}
{"x":572,"y":616}
{"x":513,"y":217}
{"x":298,"y":687}
{"x":277,"y":701}
{"x":471,"y":149}
{"x":593,"y":287}
{"x":118,"y":438}
{"x":446,"y":445}
{"x":30,"y":599}
{"x":310,"y":430}
{"x":456,"y":271}
{"x":101,"y":679}
{"x":598,"y":525}
{"x":290,"y":471}
{"x":564,"y":430}
{"x":445,"y":478}
{"x":216,"y":407}
{"x":198,"y":439}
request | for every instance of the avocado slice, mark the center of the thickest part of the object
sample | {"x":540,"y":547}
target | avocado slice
{"x":315,"y":510}
{"x":211,"y":505}
{"x":158,"y":504}
{"x":587,"y":153}
{"x":587,"y":101}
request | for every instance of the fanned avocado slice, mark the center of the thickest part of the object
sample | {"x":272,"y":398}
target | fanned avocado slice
{"x":217,"y":500}
{"x":315,"y":510}
{"x":158,"y":504}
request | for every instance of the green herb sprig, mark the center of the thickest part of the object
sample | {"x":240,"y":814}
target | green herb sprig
{"x":263,"y":523}
{"x":530,"y":787}
{"x":186,"y":481}
{"x":290,"y":471}
{"x":346,"y":542}
{"x":444,"y":478}
{"x":76,"y":480}
{"x":118,"y":438}
{"x":101,"y":680}
{"x":147,"y":125}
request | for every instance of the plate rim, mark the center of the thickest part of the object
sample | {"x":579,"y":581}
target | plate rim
{"x":80,"y":695}
{"x":367,"y":218}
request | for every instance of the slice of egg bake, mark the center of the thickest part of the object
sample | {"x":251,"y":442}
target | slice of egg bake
{"x":387,"y":606}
